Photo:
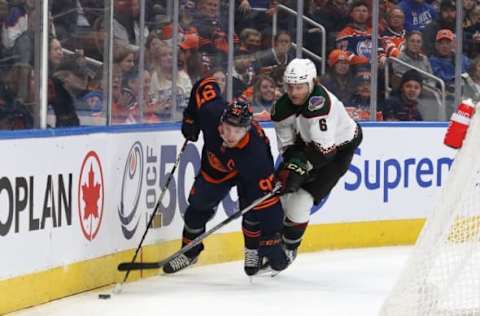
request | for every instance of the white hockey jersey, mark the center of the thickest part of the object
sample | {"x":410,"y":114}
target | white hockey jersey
{"x":322,"y":123}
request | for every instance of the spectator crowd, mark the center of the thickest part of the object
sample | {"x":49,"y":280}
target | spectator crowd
{"x":144,"y":89}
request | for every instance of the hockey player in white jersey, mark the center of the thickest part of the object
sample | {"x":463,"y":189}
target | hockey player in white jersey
{"x":317,"y":139}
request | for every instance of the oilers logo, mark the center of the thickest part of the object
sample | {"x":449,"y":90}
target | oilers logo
{"x":364,"y":48}
{"x":131,"y":191}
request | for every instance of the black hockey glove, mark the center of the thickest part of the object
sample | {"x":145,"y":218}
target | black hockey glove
{"x":271,"y":248}
{"x":294,"y":151}
{"x":291,"y":175}
{"x":190,"y":130}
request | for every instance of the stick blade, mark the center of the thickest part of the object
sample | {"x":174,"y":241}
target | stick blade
{"x":128,"y":266}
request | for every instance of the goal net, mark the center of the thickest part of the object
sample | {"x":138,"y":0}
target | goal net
{"x":442,"y":275}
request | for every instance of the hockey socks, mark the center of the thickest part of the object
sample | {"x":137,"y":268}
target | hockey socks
{"x":190,"y":234}
{"x":293,"y":234}
{"x":251,"y":235}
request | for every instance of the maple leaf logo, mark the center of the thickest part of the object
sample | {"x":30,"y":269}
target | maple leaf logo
{"x":91,"y":195}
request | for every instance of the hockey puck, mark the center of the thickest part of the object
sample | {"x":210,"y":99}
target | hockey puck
{"x":104,"y":296}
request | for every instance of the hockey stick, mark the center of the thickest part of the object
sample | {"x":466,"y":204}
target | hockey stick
{"x":129,"y":266}
{"x":157,"y":207}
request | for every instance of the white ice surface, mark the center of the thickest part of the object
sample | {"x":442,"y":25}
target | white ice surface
{"x":327,"y":283}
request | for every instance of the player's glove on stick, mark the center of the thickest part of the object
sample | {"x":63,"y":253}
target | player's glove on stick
{"x":271,"y":248}
{"x":291,"y":175}
{"x":189,"y":129}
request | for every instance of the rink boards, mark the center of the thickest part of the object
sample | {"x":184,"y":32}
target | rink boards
{"x":74,"y":203}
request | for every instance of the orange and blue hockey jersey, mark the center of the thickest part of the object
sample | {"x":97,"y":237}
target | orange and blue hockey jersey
{"x":249,"y":165}
{"x":356,"y":41}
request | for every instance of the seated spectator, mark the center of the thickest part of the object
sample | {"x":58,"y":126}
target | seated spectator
{"x":151,"y":108}
{"x":357,"y":36}
{"x":281,"y":54}
{"x":263,"y":97}
{"x":207,"y":64}
{"x":189,"y":57}
{"x":403,"y":105}
{"x":19,"y":79}
{"x":243,"y":74}
{"x":213,"y":34}
{"x":277,"y":76}
{"x":358,"y":106}
{"x":123,"y":107}
{"x":186,"y":39}
{"x":339,"y":78}
{"x":73,"y":75}
{"x":446,"y":20}
{"x":471,"y":81}
{"x":151,"y":47}
{"x":418,"y":14}
{"x":468,"y":12}
{"x":59,"y":98}
{"x":123,"y":58}
{"x":61,"y":101}
{"x":471,"y":42}
{"x":126,"y":24}
{"x":126,"y":109}
{"x":155,"y":109}
{"x":17,"y":33}
{"x":412,"y":55}
{"x":21,"y":69}
{"x":250,"y":41}
{"x":443,"y":61}
{"x":55,"y":54}
{"x":384,"y":9}
{"x":393,"y":36}
{"x":161,"y":86}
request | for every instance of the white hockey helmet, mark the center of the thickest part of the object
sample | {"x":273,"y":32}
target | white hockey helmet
{"x":300,"y":71}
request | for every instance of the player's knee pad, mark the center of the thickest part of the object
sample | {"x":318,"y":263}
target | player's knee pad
{"x":200,"y":202}
{"x":297,"y":206}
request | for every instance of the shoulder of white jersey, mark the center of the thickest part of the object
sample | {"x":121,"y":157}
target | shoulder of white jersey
{"x":319,"y":103}
{"x":282,"y":109}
